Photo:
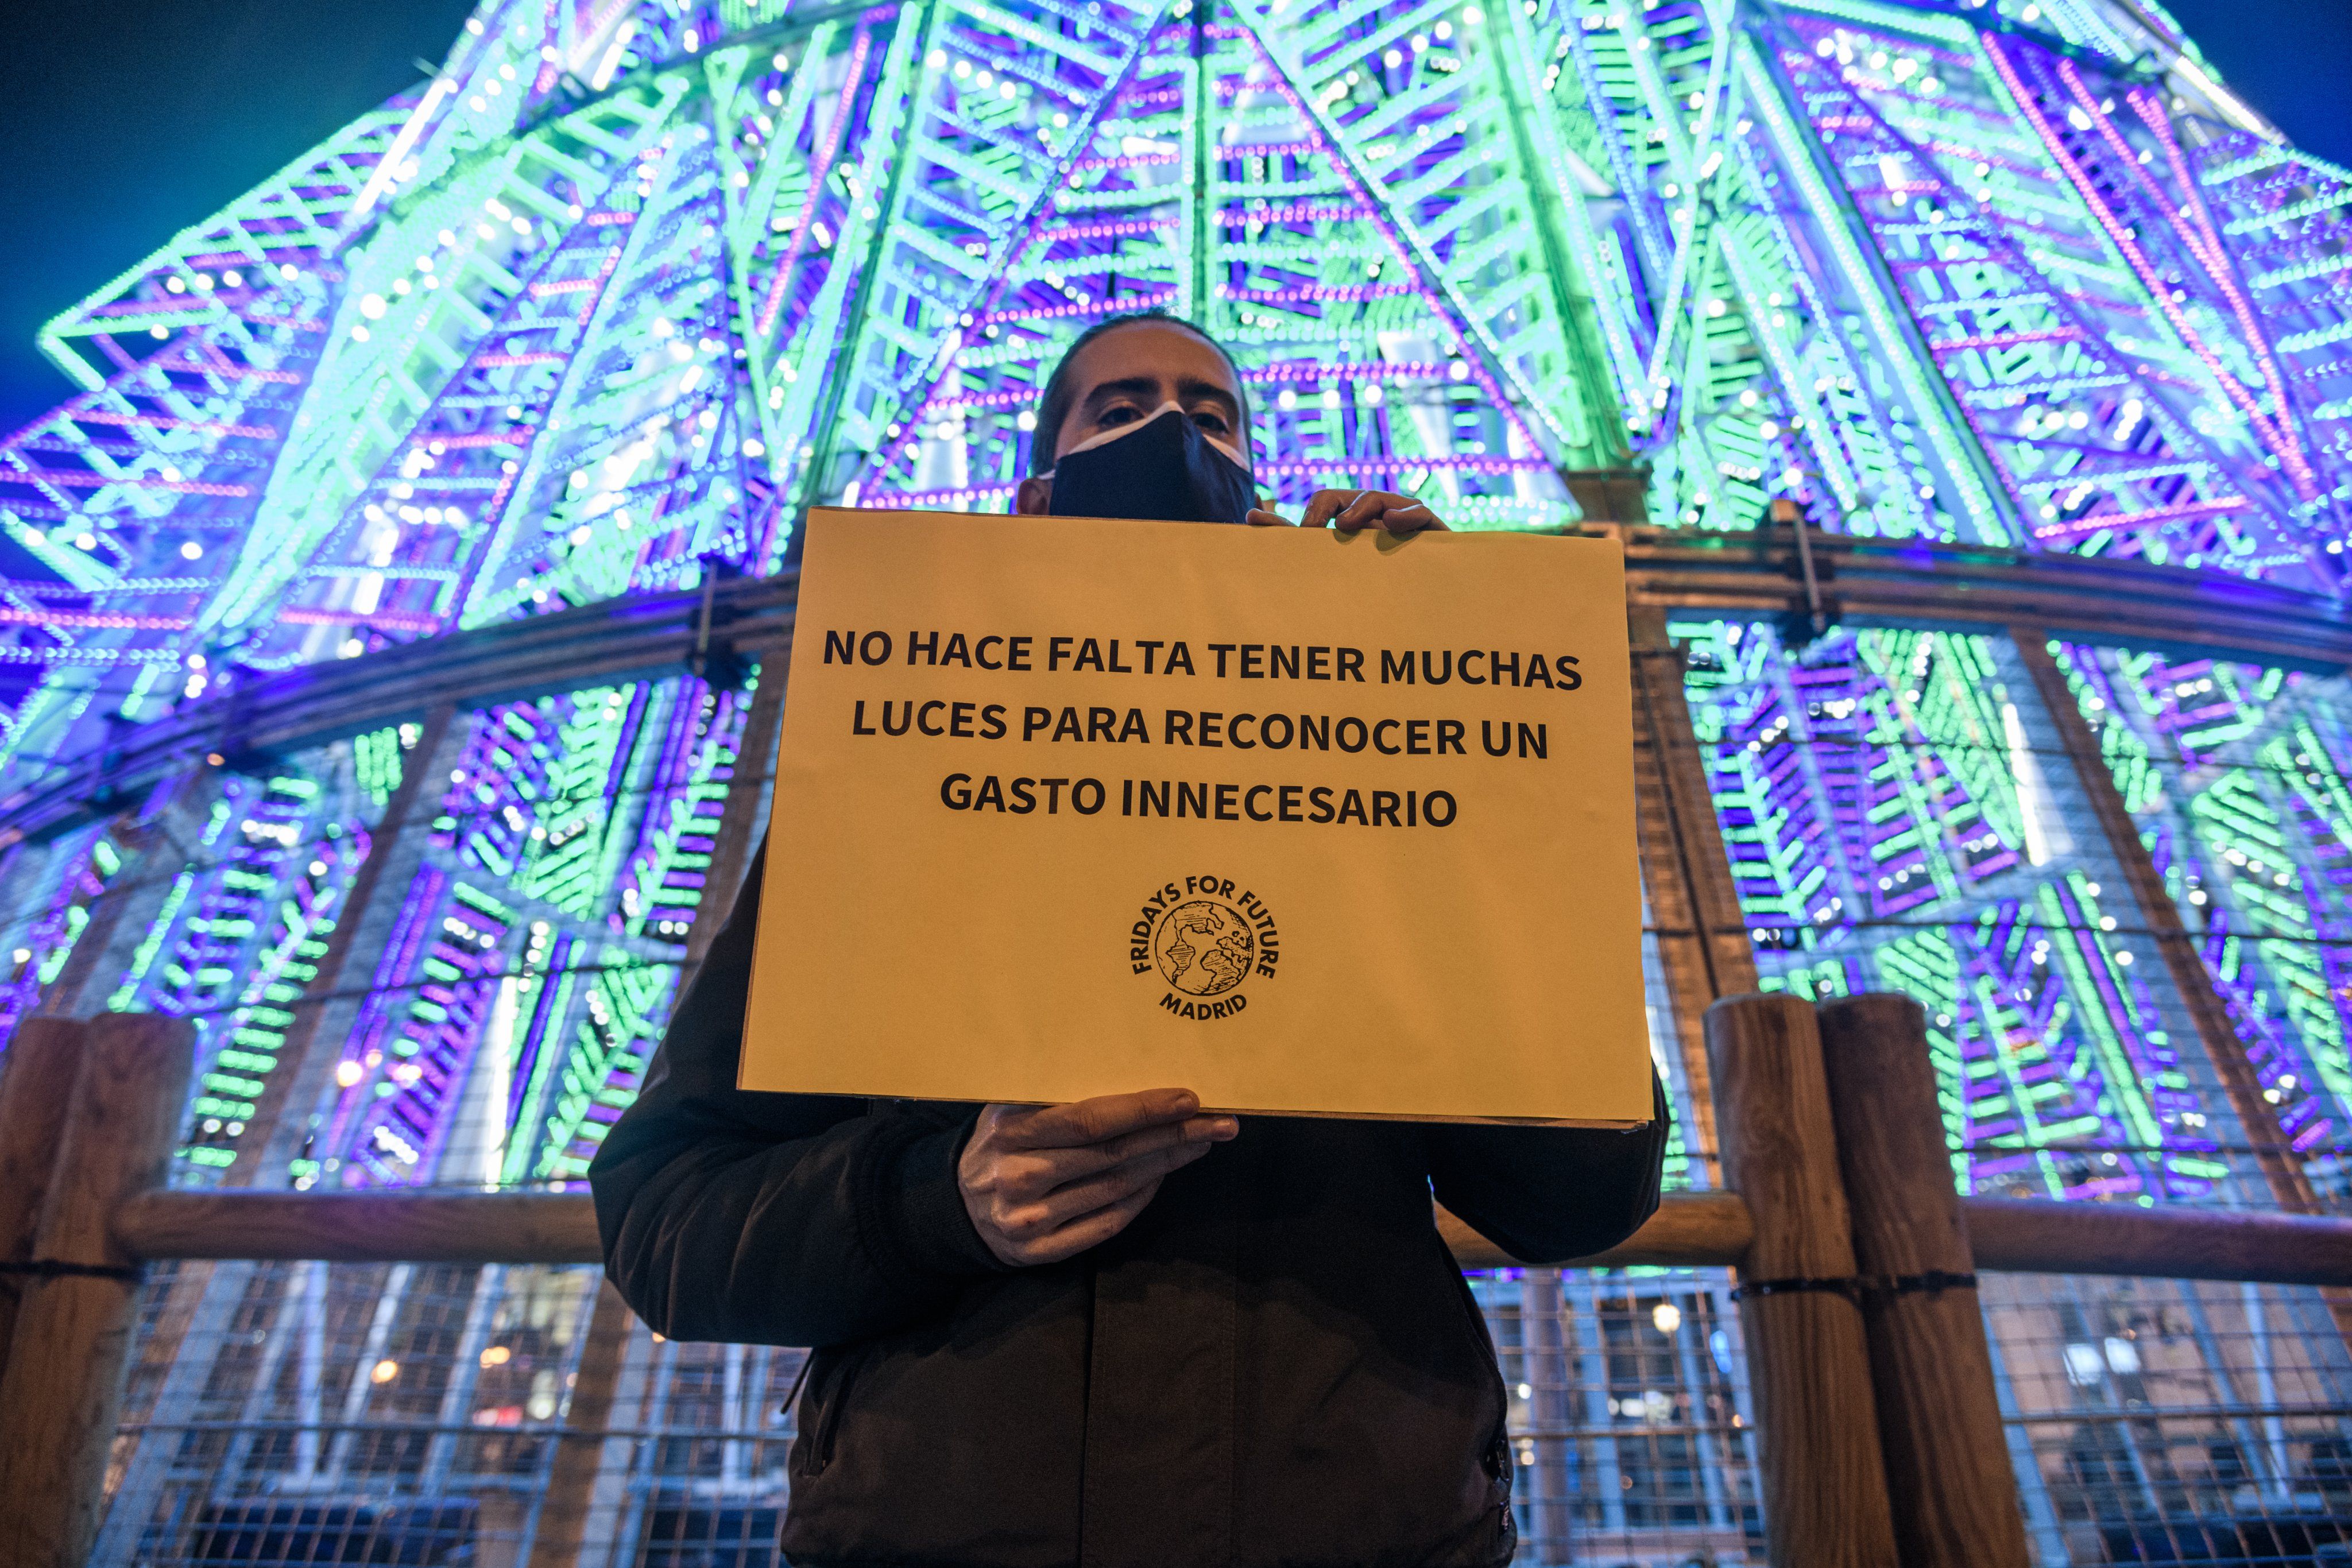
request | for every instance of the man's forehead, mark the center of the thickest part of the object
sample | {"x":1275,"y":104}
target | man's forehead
{"x":1164,"y":352}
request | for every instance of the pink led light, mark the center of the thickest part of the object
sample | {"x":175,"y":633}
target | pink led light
{"x":1123,"y":228}
{"x":485,"y":438}
{"x":1291,"y":466}
{"x":1813,"y":30}
{"x":205,"y":357}
{"x":1267,"y":149}
{"x":853,"y":79}
{"x":2208,"y":251}
{"x":2181,"y":514}
{"x":72,"y":479}
{"x":165,"y":422}
{"x":1310,"y":372}
{"x":1371,"y":210}
{"x":1995,"y":445}
{"x":2006,"y":339}
{"x":888,"y":500}
{"x":385,"y":620}
{"x":1989,"y":160}
{"x":298,"y":323}
{"x":92,"y":620}
{"x":2134,"y":257}
{"x":1124,"y":161}
{"x":603,"y":276}
{"x":1315,"y":370}
{"x":495,"y":360}
{"x":600,"y":219}
{"x":1017,"y":397}
{"x":187,"y":307}
{"x":2216,"y":259}
{"x":1080,"y":307}
{"x":1319,"y":293}
{"x":1362,"y":209}
{"x":1293,"y":212}
{"x":233,"y":259}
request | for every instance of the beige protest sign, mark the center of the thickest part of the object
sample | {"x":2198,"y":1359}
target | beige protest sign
{"x":1304,"y":821}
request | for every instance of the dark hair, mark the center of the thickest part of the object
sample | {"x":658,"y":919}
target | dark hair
{"x":1054,"y":403}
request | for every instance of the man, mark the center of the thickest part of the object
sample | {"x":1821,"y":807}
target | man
{"x":1123,"y":1332}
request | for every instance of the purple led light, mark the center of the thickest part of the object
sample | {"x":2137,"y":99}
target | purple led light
{"x":852,"y":79}
{"x":2128,"y":244}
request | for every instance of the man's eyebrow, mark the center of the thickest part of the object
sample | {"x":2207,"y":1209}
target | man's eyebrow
{"x":1126,"y":386}
{"x":1190,"y":387}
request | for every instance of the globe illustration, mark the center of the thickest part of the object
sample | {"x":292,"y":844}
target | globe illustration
{"x":1204,"y":948}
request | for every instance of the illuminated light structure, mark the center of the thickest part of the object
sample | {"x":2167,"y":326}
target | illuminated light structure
{"x":341,"y":640}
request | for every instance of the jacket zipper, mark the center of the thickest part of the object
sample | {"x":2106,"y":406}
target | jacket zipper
{"x":1497,"y":1458}
{"x":828,"y":1425}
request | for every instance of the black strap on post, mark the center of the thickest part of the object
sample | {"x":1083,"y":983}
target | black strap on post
{"x":1934,"y":1282}
{"x":1847,"y":1286}
{"x":1857,"y":1288}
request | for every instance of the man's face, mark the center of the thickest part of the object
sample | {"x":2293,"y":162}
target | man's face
{"x":1119,"y":378}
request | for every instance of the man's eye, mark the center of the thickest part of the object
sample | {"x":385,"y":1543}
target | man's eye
{"x":1121,"y":414}
{"x":1210,"y":421}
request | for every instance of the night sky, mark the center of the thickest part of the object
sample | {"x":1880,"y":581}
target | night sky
{"x":122,"y":121}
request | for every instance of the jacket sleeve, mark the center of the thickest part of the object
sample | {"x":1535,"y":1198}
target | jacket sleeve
{"x":765,"y":1218}
{"x":1546,"y":1195}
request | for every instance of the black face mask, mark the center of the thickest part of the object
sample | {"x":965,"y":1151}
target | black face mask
{"x":1164,"y":468}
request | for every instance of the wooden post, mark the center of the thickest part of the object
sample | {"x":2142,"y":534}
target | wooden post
{"x":580,"y":1448}
{"x":154,"y":850}
{"x":1817,"y":1423}
{"x":323,"y":1014}
{"x":37,"y":1082}
{"x":1948,"y":1471}
{"x":63,"y":1386}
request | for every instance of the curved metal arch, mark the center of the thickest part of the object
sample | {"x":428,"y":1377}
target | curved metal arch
{"x":1742,"y":576}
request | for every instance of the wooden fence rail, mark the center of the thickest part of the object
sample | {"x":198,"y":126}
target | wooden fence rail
{"x":1690,"y":1230}
{"x":72,"y":1233}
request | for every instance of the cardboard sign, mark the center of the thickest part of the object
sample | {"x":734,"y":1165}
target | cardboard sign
{"x":1307,"y":822}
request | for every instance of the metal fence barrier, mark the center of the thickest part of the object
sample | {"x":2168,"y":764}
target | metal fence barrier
{"x":1879,"y":1434}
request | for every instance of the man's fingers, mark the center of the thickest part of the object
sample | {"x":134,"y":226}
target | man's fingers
{"x":1044,"y":1183}
{"x":1378,"y":509}
{"x":1035,"y":1171}
{"x":1193,"y":1130}
{"x":1348,"y":510}
{"x":1260,"y":518}
{"x":1414,"y":519}
{"x":1366,"y":508}
{"x":1325,"y":505}
{"x":1088,"y":1230}
{"x":1094,"y":1121}
{"x":1101,"y":1190}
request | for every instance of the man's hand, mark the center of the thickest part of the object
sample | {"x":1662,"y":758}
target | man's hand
{"x":1347,"y":510}
{"x":1045,"y":1182}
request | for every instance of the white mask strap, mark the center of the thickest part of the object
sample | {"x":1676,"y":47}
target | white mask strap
{"x":1107,"y":436}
